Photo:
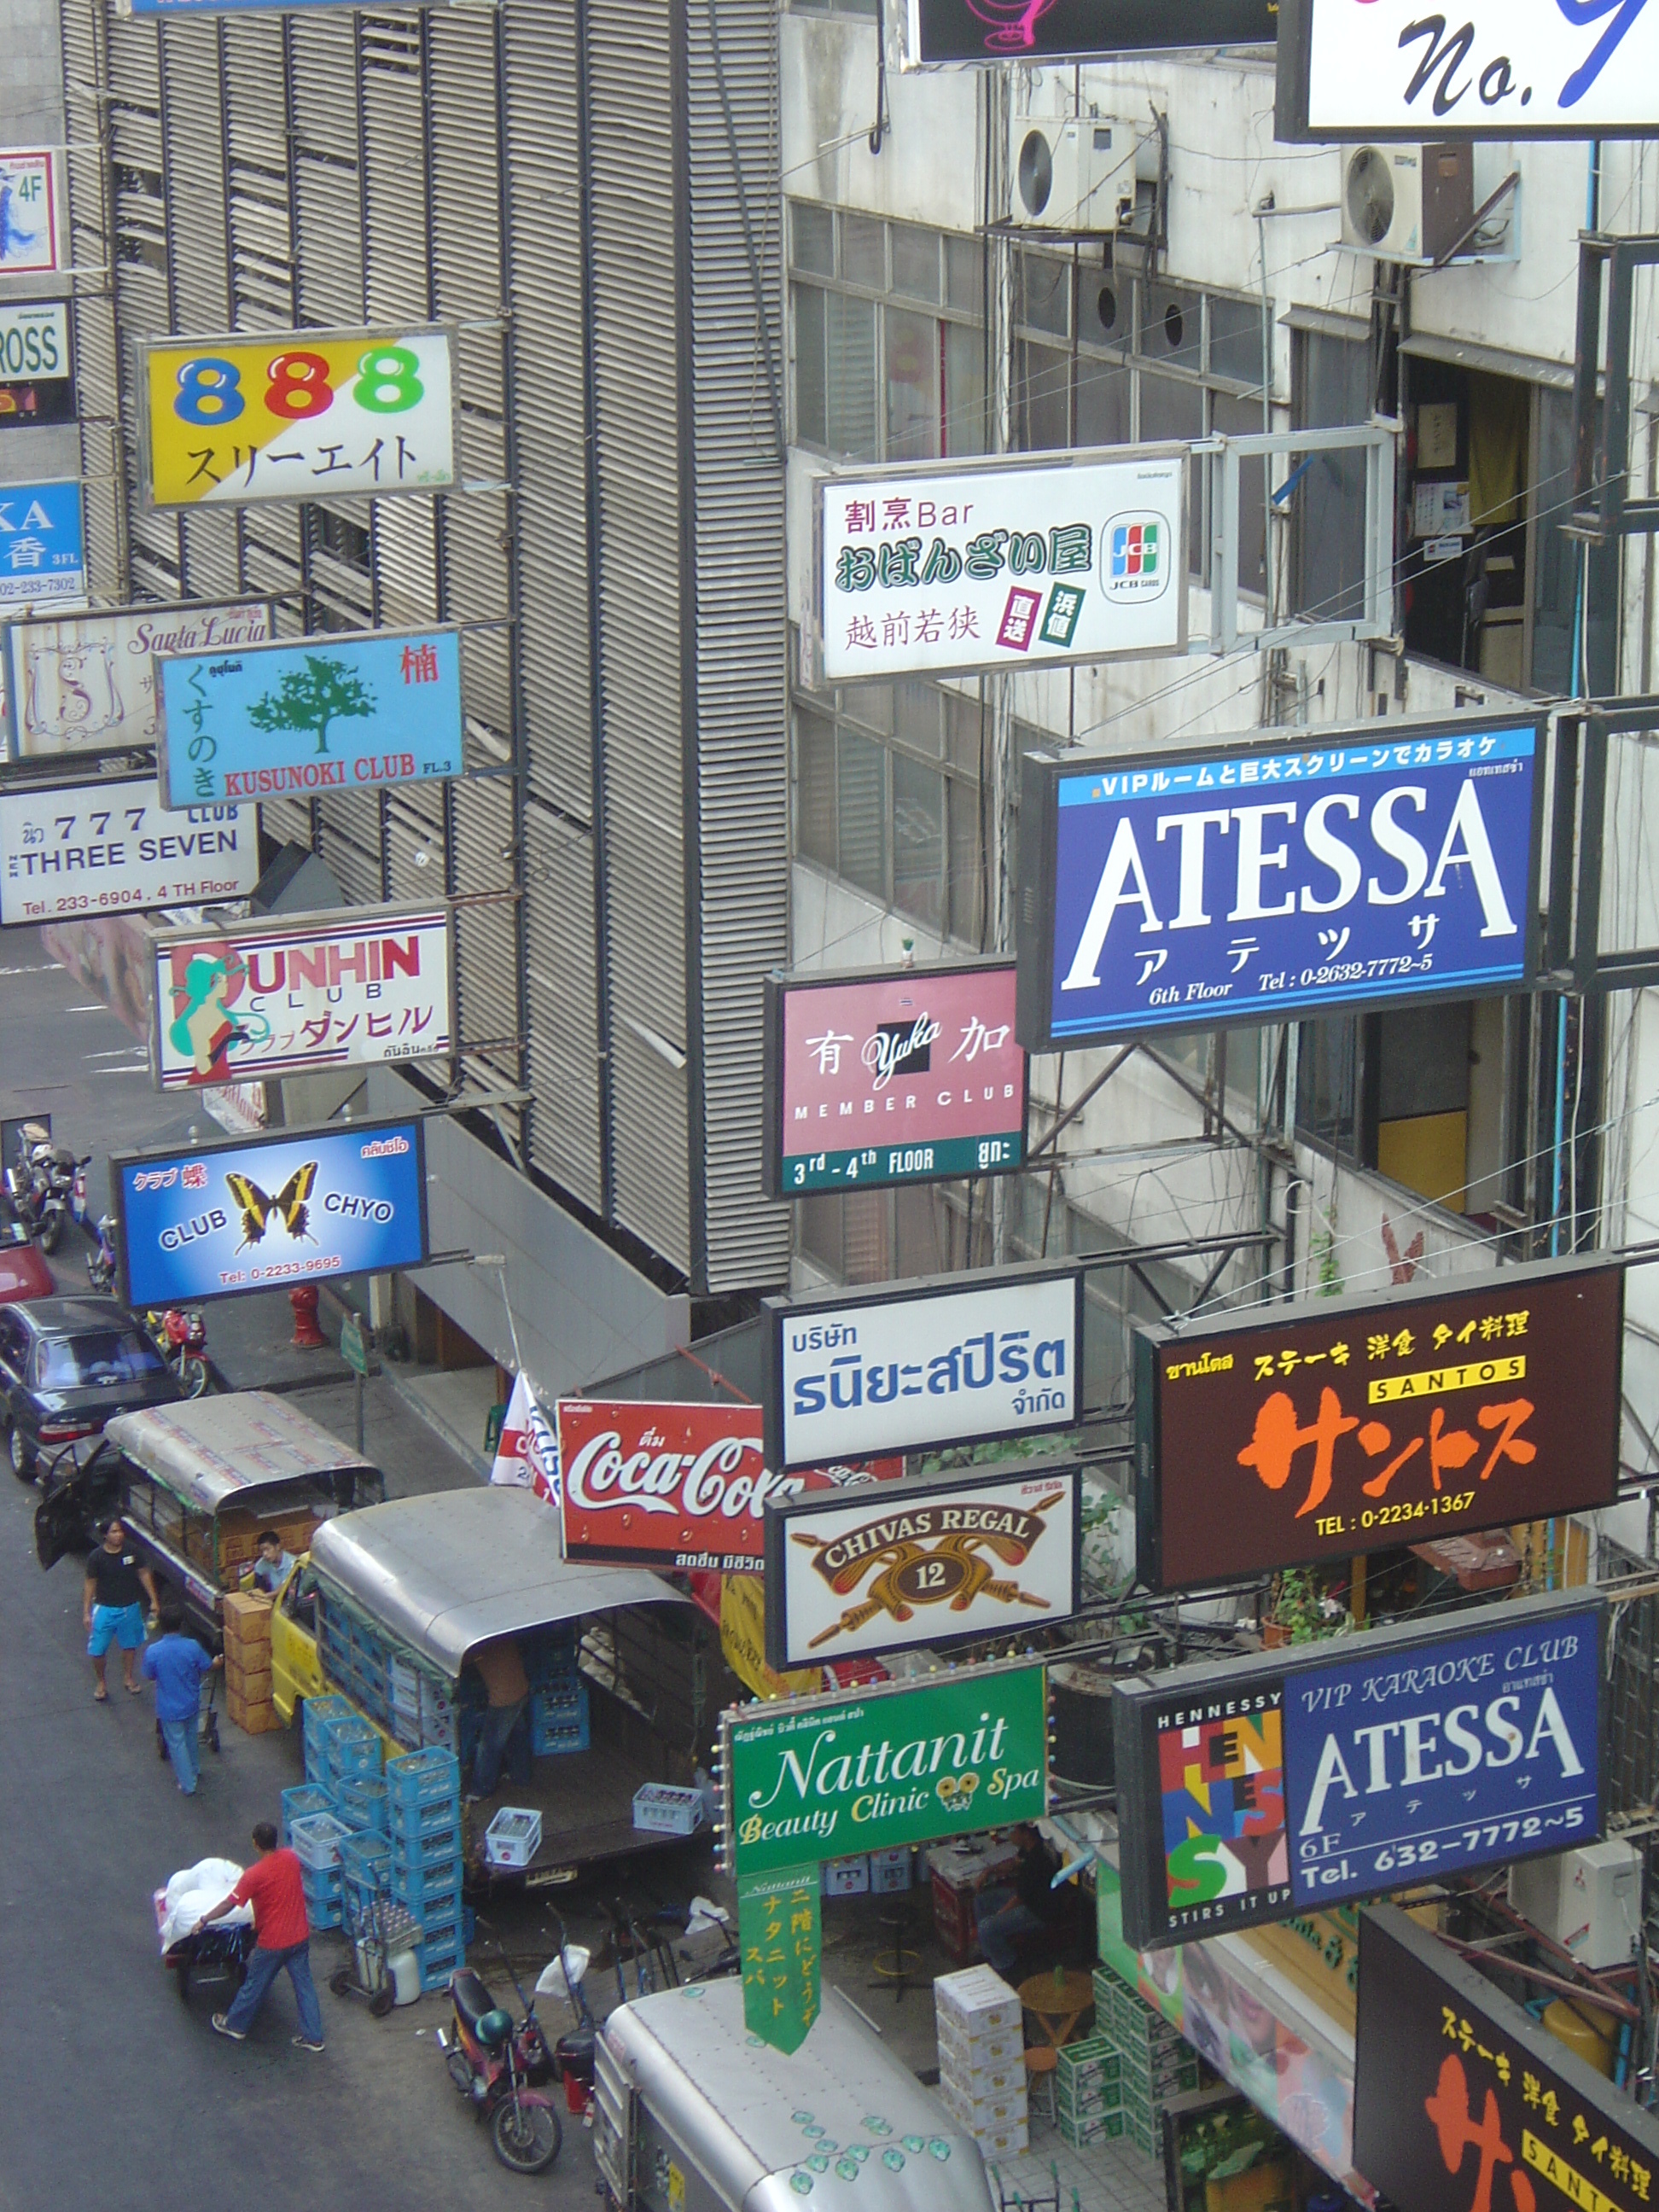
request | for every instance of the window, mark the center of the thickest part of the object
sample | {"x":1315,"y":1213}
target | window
{"x":887,"y":797}
{"x":1110,"y":358}
{"x":890,"y":348}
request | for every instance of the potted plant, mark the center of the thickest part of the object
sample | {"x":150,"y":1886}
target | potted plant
{"x":1300,"y":1612}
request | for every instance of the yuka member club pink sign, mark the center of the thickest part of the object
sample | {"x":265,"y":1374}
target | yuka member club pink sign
{"x":904,"y":1075}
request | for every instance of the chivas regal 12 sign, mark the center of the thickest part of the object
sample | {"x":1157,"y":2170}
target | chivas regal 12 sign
{"x":921,"y":1562}
{"x":903,"y":1076}
{"x":1254,"y":1788}
{"x":1299,"y":1433}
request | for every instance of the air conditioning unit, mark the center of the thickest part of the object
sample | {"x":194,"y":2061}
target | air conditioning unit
{"x":1589,"y":1901}
{"x":1407,"y":202}
{"x":1071,"y":177}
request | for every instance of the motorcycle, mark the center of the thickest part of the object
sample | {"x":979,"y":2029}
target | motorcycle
{"x":61,"y":1169}
{"x":180,"y":1337}
{"x":101,"y":1261}
{"x":40,"y":1183}
{"x":501,"y":2069}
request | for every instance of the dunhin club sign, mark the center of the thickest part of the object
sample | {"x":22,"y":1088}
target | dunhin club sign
{"x":1258,"y":1788}
{"x":1197,"y":887}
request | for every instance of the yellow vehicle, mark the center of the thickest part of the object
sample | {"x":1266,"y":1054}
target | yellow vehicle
{"x":296,"y":1671}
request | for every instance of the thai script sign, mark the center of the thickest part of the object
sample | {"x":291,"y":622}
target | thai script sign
{"x":106,"y":848}
{"x":779,"y":1937}
{"x":1542,"y":69}
{"x":299,"y":415}
{"x":1052,"y":30}
{"x":1463,"y":2102}
{"x":317,"y":990}
{"x":1254,"y":1788}
{"x":1345,"y":1425}
{"x":1004,"y":564}
{"x":43,"y":554}
{"x":348,"y":1198}
{"x":902,"y":1076}
{"x":960,"y":1359}
{"x":86,"y":683}
{"x":35,"y":385}
{"x":927,"y":1561}
{"x":647,"y":1483}
{"x":1252,"y":883}
{"x":329,"y":713}
{"x":873,"y":1769}
{"x":31,"y":231}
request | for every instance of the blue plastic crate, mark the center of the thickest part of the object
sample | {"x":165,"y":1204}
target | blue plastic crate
{"x":419,"y":1779}
{"x":366,"y":1858}
{"x":353,"y":1748}
{"x":424,"y":1886}
{"x":305,"y":1797}
{"x":437,"y":1967}
{"x":362,"y":1802}
{"x":559,"y":1730}
{"x":325,"y":1912}
{"x":427,"y":1846}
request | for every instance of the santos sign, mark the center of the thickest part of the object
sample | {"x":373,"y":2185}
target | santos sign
{"x":1188,"y":889}
{"x":338,"y":1201}
{"x":1260,"y":1788}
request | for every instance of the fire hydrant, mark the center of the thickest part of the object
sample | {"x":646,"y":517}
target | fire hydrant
{"x":308,"y":1337}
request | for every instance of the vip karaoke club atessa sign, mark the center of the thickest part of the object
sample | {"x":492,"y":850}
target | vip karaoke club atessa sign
{"x":220,"y":1219}
{"x":1004,"y":564}
{"x":959,"y":1359}
{"x":1342,"y":1425}
{"x":902,"y":1076}
{"x":1191,"y":888}
{"x":323,"y":990}
{"x":871,"y":1769}
{"x":921,"y":1562}
{"x":329,"y":714}
{"x":86,"y":683}
{"x":299,"y":415}
{"x":1255,"y":1788}
{"x":106,"y":848}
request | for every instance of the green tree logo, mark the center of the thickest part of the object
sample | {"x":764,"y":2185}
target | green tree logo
{"x":325,"y":691}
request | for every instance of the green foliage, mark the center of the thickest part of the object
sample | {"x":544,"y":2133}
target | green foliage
{"x":326,"y":691}
{"x":1299,"y":1605}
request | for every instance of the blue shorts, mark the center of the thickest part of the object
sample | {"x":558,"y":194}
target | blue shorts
{"x":115,"y":1624}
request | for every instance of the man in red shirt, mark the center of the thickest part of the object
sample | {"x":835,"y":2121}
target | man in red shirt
{"x":274,"y":1887}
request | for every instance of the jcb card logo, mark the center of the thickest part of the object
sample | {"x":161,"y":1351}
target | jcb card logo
{"x":1134,"y":565}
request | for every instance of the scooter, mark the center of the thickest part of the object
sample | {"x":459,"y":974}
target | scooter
{"x":101,"y":1261}
{"x":39,"y":1183}
{"x":500,"y":2070}
{"x":180,"y":1337}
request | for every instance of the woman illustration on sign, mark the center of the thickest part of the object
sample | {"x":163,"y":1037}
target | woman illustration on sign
{"x":201,"y":1028}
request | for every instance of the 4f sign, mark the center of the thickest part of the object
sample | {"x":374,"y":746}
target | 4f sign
{"x":28,"y":212}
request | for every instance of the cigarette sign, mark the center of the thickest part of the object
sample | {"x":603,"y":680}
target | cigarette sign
{"x":1347,"y":1426}
{"x":106,"y":848}
{"x":901,"y":1077}
{"x":923,"y":1562}
{"x":1260,"y":1788}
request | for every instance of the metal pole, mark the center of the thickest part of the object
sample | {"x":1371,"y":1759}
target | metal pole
{"x":360,"y":1413}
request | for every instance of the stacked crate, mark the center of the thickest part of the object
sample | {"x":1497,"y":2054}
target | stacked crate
{"x":1154,"y":2063}
{"x":423,"y":1830}
{"x":315,"y":1838}
{"x":558,"y":1695}
{"x":981,"y":2059}
{"x":1087,"y":2094}
{"x":247,"y":1661}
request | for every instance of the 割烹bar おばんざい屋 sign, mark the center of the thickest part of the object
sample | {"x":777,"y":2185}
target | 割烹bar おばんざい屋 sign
{"x":956,"y":1359}
{"x":245,"y":1215}
{"x":1342,"y":1425}
{"x":1004,"y":564}
{"x":230,"y":422}
{"x":1055,"y":30}
{"x":1254,"y":882}
{"x":987,"y":1553}
{"x":904,"y":1075}
{"x":1255,"y":1788}
{"x":337,"y":712}
{"x":86,"y":683}
{"x":43,"y":551}
{"x":255,"y":1000}
{"x":1462,"y":2099}
{"x":106,"y":848}
{"x":874,"y":1769}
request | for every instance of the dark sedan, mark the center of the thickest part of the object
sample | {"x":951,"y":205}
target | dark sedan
{"x":67,"y":1365}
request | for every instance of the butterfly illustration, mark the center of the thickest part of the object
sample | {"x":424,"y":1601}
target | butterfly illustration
{"x":290,"y":1202}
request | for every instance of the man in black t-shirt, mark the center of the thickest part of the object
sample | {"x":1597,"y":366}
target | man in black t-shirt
{"x":1007,"y":1913}
{"x":110,"y":1606}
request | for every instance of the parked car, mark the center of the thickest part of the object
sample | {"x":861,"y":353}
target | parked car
{"x":24,"y":1272}
{"x":67,"y":1365}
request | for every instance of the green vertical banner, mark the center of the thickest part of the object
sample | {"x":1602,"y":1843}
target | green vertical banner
{"x":778,"y":1929}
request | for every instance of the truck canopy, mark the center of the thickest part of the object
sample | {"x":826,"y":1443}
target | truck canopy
{"x":210,"y":1451}
{"x":456,"y":1567}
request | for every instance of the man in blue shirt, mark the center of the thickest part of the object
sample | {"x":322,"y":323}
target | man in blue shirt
{"x":176,"y":1664}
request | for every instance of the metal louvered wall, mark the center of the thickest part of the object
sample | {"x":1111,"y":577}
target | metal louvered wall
{"x":588,"y":191}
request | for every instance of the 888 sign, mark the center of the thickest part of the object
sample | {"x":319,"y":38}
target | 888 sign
{"x":299,"y":415}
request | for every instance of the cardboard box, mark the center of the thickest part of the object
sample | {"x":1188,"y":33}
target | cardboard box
{"x":978,"y":2002}
{"x":247,"y":1616}
{"x":1003,"y":2142}
{"x":1096,"y":2127}
{"x":985,"y":2084}
{"x":962,"y":2052}
{"x":1006,"y":2109}
{"x":257,"y":1718}
{"x":249,"y":1689}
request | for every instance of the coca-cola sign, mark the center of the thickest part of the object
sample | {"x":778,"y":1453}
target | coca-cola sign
{"x":675,"y":1486}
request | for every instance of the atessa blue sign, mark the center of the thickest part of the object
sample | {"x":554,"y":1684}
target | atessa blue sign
{"x":1253,"y":883}
{"x":329,"y":713}
{"x":1260,"y":1788}
{"x":348,"y":1199}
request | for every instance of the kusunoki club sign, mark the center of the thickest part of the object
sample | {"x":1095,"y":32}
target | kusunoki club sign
{"x":322,"y":990}
{"x":1313,"y":1431}
{"x":646,"y":1484}
{"x":1255,"y":1788}
{"x":1254,"y":882}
